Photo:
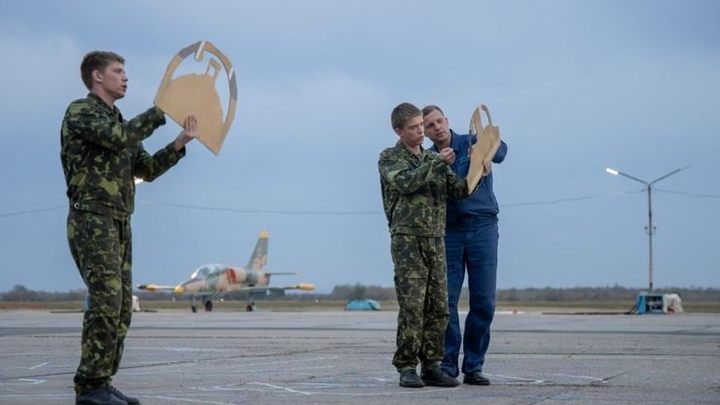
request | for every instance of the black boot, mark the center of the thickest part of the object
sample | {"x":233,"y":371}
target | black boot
{"x":98,"y":396}
{"x":129,"y":400}
{"x":476,"y":378}
{"x":436,"y":377}
{"x":410,"y":379}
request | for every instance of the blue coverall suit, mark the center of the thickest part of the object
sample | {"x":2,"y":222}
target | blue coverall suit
{"x":471,"y":240}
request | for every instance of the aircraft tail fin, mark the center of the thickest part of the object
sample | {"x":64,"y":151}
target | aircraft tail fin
{"x":258,"y":260}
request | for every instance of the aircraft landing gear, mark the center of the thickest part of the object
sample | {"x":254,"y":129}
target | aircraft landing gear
{"x":208,"y":305}
{"x":250,"y":306}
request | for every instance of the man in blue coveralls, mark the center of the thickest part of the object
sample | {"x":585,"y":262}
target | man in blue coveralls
{"x":471,"y":240}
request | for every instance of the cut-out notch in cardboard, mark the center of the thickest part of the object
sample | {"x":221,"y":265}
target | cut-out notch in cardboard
{"x":488,"y":142}
{"x":196,"y":94}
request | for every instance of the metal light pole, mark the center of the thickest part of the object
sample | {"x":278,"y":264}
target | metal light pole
{"x":650,"y":228}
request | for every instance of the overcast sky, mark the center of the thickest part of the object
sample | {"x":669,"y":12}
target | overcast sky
{"x":575,"y":86}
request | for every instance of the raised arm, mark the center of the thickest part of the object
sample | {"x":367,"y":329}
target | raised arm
{"x":456,"y":186}
{"x":501,"y":152}
{"x":107,"y":132}
{"x":149,"y":167}
{"x":405,"y":179}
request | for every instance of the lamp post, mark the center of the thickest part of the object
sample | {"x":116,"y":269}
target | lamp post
{"x":650,"y":228}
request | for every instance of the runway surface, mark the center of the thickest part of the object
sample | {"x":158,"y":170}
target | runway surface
{"x":176,"y":357}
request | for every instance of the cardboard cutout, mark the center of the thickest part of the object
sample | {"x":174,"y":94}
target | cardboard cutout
{"x":488,"y":142}
{"x":196,"y":94}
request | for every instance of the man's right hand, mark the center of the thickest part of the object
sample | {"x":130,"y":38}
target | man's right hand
{"x":447,"y":155}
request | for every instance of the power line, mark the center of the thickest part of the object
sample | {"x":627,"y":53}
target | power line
{"x":258,"y":211}
{"x":694,"y":195}
{"x":286,"y":212}
{"x":358,"y":213}
{"x":568,"y":199}
{"x":16,"y":213}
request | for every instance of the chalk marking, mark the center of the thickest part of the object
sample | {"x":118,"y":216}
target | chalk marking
{"x":523,"y":379}
{"x":197,"y":401}
{"x":191,"y":349}
{"x":280,"y":388}
{"x":602,"y":380}
{"x":292,"y":361}
{"x":25,"y":381}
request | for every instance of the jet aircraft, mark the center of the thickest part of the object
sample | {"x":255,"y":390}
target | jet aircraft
{"x":211,"y":281}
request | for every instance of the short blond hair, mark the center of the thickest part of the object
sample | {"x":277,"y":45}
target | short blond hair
{"x":402,"y":114}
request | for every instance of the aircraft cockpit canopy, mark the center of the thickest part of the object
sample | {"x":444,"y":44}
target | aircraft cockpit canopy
{"x":203,"y":272}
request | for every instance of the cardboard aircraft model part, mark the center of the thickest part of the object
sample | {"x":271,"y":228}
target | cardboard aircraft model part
{"x":196,"y":94}
{"x":488,"y":142}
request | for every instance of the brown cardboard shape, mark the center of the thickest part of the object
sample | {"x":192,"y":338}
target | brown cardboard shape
{"x":488,"y":142}
{"x":196,"y":94}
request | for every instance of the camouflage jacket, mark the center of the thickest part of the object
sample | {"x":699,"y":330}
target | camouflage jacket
{"x":415,"y":190}
{"x":101,"y":155}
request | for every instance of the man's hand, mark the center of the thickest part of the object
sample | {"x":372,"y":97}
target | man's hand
{"x":487,"y":166}
{"x":189,"y":132}
{"x":447,"y":155}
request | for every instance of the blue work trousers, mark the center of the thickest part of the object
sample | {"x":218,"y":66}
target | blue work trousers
{"x":473,"y":248}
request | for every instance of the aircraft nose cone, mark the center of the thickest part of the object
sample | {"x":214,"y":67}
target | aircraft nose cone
{"x":179,"y":289}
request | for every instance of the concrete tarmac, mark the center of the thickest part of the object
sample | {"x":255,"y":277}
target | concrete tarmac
{"x":177,"y":357}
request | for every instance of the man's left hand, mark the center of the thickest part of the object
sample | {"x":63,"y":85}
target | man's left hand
{"x":189,"y":132}
{"x":487,"y":166}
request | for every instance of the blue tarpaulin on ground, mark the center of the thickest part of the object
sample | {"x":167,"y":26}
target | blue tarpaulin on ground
{"x":362,"y":305}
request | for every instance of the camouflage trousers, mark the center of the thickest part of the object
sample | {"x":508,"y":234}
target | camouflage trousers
{"x":101,"y":247}
{"x":421,"y":288}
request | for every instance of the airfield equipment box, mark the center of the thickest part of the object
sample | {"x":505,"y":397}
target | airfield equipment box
{"x":649,"y":303}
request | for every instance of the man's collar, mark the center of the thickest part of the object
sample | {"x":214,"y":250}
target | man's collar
{"x":98,"y":100}
{"x":402,"y":146}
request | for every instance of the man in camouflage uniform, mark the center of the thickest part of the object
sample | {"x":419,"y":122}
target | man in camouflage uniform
{"x":101,"y":155}
{"x":415,"y":186}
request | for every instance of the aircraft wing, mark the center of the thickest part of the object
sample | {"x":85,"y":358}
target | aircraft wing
{"x":300,"y":286}
{"x":155,"y":287}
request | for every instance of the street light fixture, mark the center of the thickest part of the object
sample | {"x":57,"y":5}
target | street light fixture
{"x":650,"y":228}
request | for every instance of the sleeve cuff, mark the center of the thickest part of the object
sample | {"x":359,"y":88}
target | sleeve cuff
{"x":177,"y":154}
{"x":158,"y":116}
